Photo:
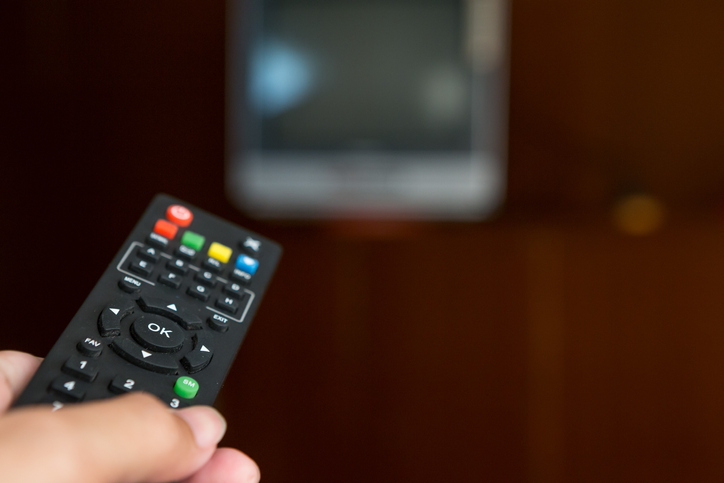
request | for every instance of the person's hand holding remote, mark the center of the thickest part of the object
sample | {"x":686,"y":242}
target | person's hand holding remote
{"x":130,"y":439}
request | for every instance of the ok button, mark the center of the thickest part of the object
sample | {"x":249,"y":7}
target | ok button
{"x":158,"y":333}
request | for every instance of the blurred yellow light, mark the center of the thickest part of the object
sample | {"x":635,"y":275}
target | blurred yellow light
{"x":638,"y":214}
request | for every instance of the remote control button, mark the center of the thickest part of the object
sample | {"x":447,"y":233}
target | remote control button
{"x":165,"y":229}
{"x":83,"y":368}
{"x":218,"y":322}
{"x":188,"y":320}
{"x":148,"y":253}
{"x":202,"y":354}
{"x":157,"y":240}
{"x":170,"y":279}
{"x":207,"y":278}
{"x":247,"y":264}
{"x":180,"y":215}
{"x":109,"y":322}
{"x":90,"y":347}
{"x":141,"y":267}
{"x":220,"y":252}
{"x":122,"y":385}
{"x":240,"y":276}
{"x":178,"y":266}
{"x":196,"y":360}
{"x":129,"y":284}
{"x":69,"y":387}
{"x":186,"y":387}
{"x":193,"y":240}
{"x":198,"y":292}
{"x":233,"y":289}
{"x":157,"y":333}
{"x":251,"y":246}
{"x":185,"y":252}
{"x":213,"y":265}
{"x":135,"y":354}
{"x":228,"y":304}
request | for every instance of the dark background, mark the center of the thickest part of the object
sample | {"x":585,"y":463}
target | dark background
{"x":544,"y":345}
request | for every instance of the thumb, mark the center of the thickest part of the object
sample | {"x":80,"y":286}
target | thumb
{"x":132,"y":438}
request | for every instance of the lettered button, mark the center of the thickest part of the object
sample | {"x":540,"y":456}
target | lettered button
{"x":228,"y":304}
{"x":157,"y":333}
{"x":141,"y":267}
{"x":135,"y":354}
{"x":198,"y":292}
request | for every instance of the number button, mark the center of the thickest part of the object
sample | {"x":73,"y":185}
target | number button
{"x":68,"y":387}
{"x":83,"y":368}
{"x":122,"y":385}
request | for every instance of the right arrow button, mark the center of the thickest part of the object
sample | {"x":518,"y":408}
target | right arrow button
{"x":200,"y":357}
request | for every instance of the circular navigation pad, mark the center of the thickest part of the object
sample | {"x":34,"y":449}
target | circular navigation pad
{"x":158,"y":333}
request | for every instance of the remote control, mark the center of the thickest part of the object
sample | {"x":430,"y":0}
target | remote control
{"x":166,"y":317}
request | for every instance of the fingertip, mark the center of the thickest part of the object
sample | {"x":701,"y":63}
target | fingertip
{"x":227,"y":465}
{"x":207,"y":424}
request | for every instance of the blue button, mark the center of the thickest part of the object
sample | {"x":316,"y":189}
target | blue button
{"x":247,"y":264}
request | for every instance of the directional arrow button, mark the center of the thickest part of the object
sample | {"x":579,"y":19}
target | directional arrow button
{"x":202,"y":354}
{"x":109,"y":321}
{"x":186,"y":318}
{"x":135,"y":354}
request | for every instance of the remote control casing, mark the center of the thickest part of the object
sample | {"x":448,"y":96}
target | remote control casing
{"x":115,"y":364}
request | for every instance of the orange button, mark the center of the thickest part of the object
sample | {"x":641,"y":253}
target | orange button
{"x":180,"y":215}
{"x":164,"y":228}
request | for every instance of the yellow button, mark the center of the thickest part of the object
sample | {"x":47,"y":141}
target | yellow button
{"x":220,"y":252}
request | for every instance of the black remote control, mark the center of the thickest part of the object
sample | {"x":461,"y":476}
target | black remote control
{"x":167,"y":316}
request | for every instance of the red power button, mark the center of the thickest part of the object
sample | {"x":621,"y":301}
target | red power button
{"x":180,"y":215}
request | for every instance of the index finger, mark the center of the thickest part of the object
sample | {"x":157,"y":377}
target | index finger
{"x":16,"y":369}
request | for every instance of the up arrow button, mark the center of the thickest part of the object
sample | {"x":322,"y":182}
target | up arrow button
{"x":188,"y":319}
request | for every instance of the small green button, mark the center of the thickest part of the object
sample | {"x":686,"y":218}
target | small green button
{"x":186,"y":387}
{"x":193,"y":240}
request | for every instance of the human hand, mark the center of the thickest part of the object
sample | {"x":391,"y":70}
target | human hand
{"x":128,"y":439}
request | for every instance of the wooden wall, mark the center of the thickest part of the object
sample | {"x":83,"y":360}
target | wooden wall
{"x":542,"y":346}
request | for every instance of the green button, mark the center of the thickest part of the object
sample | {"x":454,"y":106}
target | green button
{"x":186,"y":387}
{"x":193,"y":240}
